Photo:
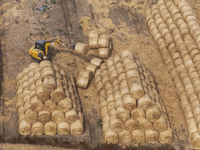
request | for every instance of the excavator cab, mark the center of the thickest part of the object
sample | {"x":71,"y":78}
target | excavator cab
{"x":40,"y":50}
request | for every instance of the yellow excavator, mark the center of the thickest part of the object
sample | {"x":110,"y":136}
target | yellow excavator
{"x":40,"y":51}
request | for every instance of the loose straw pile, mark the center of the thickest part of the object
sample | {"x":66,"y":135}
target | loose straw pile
{"x":47,"y":101}
{"x":175,"y":28}
{"x":130,"y":106}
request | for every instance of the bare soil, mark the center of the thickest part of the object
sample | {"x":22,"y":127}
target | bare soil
{"x":21,"y":24}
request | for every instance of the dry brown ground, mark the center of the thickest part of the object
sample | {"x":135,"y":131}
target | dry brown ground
{"x":22,"y":24}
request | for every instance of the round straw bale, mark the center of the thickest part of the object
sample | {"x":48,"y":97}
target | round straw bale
{"x":58,"y":94}
{"x":132,"y":73}
{"x":45,"y":63}
{"x":93,"y":43}
{"x":123,"y":114}
{"x":121,"y":77}
{"x":47,"y":71}
{"x":103,"y":42}
{"x":93,"y":34}
{"x":82,"y":82}
{"x":137,"y":91}
{"x":36,"y":105}
{"x":42,"y":93}
{"x":160,"y":124}
{"x":91,"y":67}
{"x":104,"y":52}
{"x":111,"y":136}
{"x":138,"y":137}
{"x":37,"y":129}
{"x":31,"y":116}
{"x":44,"y":116}
{"x":144,"y":124}
{"x":71,"y":116}
{"x":125,"y":137}
{"x":58,"y":116}
{"x":50,"y":83}
{"x":50,"y":106}
{"x":152,"y":136}
{"x":131,"y":125}
{"x":63,"y":128}
{"x":116,"y":125}
{"x":37,"y":77}
{"x":166,"y":136}
{"x":81,"y":48}
{"x":19,"y":77}
{"x":126,"y":53}
{"x":195,"y":143}
{"x":110,"y":62}
{"x":116,"y":59}
{"x":24,"y":128}
{"x":33,"y":66}
{"x":96,"y":61}
{"x":128,"y":102}
{"x":153,"y":113}
{"x":145,"y":102}
{"x":77,"y":127}
{"x":65,"y":105}
{"x":32,"y":86}
{"x":50,"y":128}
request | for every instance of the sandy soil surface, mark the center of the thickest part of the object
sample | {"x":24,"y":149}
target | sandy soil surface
{"x":21,"y":24}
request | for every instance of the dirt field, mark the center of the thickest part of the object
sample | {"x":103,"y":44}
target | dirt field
{"x":21,"y":24}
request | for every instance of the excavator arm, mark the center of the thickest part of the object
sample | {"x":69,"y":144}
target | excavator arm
{"x":51,"y":42}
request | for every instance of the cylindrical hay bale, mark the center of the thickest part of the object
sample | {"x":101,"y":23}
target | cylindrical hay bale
{"x":111,"y":136}
{"x":58,"y":116}
{"x":138,"y":137}
{"x":145,"y":102}
{"x":81,"y":48}
{"x":125,"y":137}
{"x":109,"y":63}
{"x":131,"y":125}
{"x":36,"y":105}
{"x":103,"y":42}
{"x":96,"y":61}
{"x":116,"y":125}
{"x":33,"y":66}
{"x":37,"y":77}
{"x":44,"y":116}
{"x":123,"y":114}
{"x":32,"y":87}
{"x":153,"y":114}
{"x":47,"y":71}
{"x":50,"y":83}
{"x":132,"y":73}
{"x":91,"y":67}
{"x":86,"y":73}
{"x":19,"y":77}
{"x":160,"y":124}
{"x":45,"y":63}
{"x":93,"y":34}
{"x":58,"y":94}
{"x":24,"y":128}
{"x":82,"y":82}
{"x":93,"y":43}
{"x":196,"y":141}
{"x":136,"y":91}
{"x":77,"y":127}
{"x":50,"y":106}
{"x":50,"y":128}
{"x":65,"y":105}
{"x":37,"y":129}
{"x":104,"y":53}
{"x":71,"y":116}
{"x":152,"y":136}
{"x":63,"y":128}
{"x":166,"y":137}
{"x":42,"y":93}
{"x":144,"y":124}
{"x":31,"y":116}
{"x":126,"y":53}
{"x":128,"y":102}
